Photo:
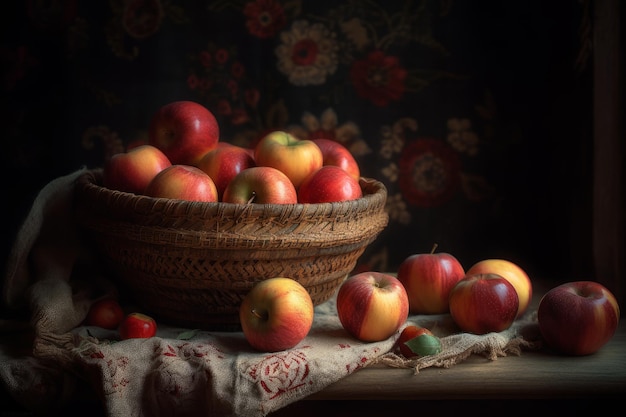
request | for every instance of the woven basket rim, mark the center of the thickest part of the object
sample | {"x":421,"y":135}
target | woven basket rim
{"x":374,"y":195}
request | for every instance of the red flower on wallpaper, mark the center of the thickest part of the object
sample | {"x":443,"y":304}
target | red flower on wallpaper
{"x":379,"y":78}
{"x":142,"y":18}
{"x":264,"y":18}
{"x":429,"y":172}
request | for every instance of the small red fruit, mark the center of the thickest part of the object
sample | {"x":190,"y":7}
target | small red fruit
{"x":408,"y":333}
{"x":106,"y":313}
{"x":137,"y":326}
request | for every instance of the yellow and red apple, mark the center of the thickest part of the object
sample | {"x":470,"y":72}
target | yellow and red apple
{"x":224,"y":162}
{"x":183,"y":182}
{"x":428,"y":279}
{"x":296,"y":158}
{"x":513,"y":273}
{"x":578,"y":318}
{"x":483,"y":303}
{"x":133,"y":170}
{"x":276,"y":314}
{"x":334,"y":153}
{"x":184,"y":130}
{"x":329,"y":184}
{"x":372,"y":306}
{"x":261,"y":184}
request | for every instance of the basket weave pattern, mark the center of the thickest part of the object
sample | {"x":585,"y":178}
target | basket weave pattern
{"x":191,"y":263}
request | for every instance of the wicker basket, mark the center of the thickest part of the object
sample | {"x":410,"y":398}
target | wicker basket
{"x":191,"y":263}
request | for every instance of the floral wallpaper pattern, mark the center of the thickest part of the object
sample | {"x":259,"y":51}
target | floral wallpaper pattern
{"x":426,"y":94}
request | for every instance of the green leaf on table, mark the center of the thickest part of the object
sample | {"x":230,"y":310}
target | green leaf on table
{"x":424,"y":345}
{"x":188,"y":334}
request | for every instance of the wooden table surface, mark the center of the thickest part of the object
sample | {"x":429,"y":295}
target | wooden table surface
{"x":532,"y":375}
{"x":536,"y":383}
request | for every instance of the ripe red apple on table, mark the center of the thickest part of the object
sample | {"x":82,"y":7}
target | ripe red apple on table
{"x":276,"y":314}
{"x":513,"y":273}
{"x":578,"y":318}
{"x":334,"y":153}
{"x":483,"y":303}
{"x":106,"y":313}
{"x":184,"y":131}
{"x":183,"y":182}
{"x":329,"y":184}
{"x":223,"y":163}
{"x":262,"y":185}
{"x":137,"y":326}
{"x":296,"y":158}
{"x":428,"y":279}
{"x":133,"y":170}
{"x":372,"y":306}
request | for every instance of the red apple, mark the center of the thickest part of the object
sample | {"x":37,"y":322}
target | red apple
{"x":183,"y":182}
{"x":106,"y":313}
{"x":372,"y":305}
{"x":133,"y":170}
{"x":263,"y":185}
{"x":276,"y":314}
{"x":137,"y":326}
{"x":578,"y":318}
{"x":334,"y":153}
{"x":428,"y":279}
{"x":513,"y":273}
{"x":223,"y":163}
{"x":296,"y":158}
{"x":409,"y":345}
{"x":184,"y":131}
{"x":329,"y":184}
{"x":483,"y":303}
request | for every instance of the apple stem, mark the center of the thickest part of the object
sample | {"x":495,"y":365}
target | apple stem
{"x":434,"y":248}
{"x":252,"y":198}
{"x":256,"y":313}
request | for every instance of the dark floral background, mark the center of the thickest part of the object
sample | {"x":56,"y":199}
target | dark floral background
{"x":475,"y":114}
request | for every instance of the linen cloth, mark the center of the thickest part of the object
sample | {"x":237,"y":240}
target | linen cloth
{"x":180,"y":372}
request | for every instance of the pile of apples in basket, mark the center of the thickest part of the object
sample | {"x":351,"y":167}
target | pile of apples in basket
{"x":184,"y":159}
